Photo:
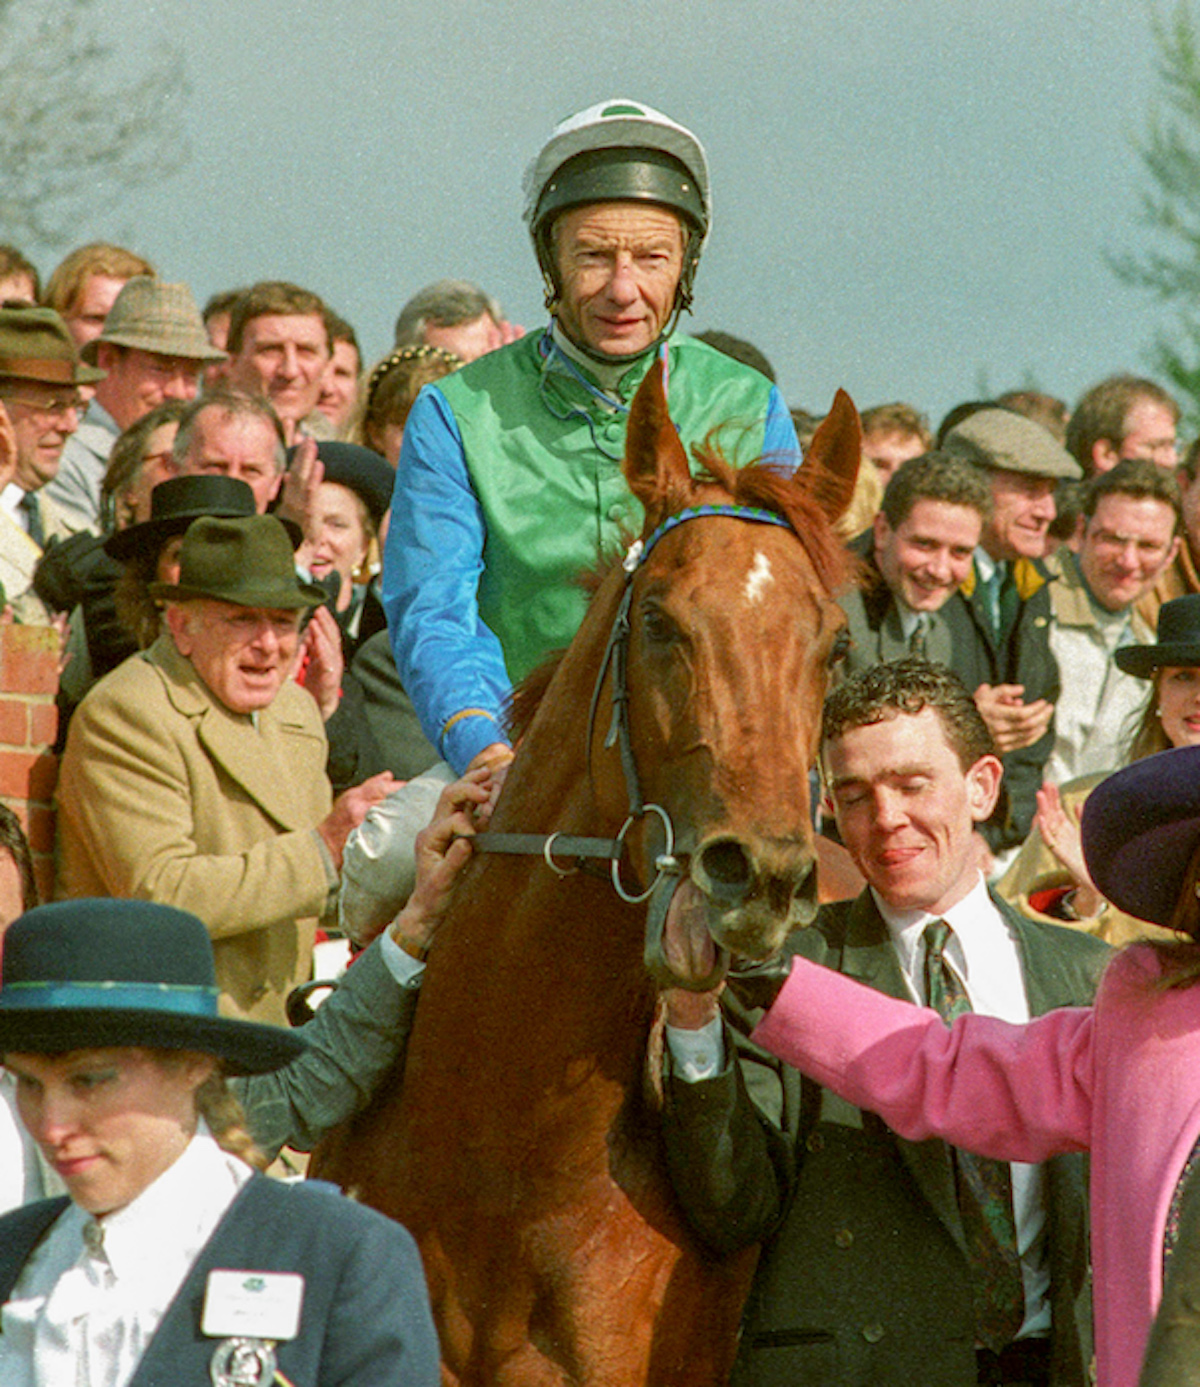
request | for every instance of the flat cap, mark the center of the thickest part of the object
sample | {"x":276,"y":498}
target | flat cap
{"x":1003,"y":439}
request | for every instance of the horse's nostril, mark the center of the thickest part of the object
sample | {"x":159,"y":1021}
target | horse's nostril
{"x":728,"y":870}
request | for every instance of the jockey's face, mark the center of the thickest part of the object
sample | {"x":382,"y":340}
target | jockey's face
{"x":619,"y":265}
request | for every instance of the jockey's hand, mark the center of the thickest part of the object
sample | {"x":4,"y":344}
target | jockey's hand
{"x":443,"y":850}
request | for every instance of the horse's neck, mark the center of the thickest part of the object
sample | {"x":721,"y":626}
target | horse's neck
{"x":549,"y":787}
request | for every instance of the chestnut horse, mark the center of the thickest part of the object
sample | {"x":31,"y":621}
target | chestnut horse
{"x":523,"y":1148}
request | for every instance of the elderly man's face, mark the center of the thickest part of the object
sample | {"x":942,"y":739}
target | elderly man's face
{"x":241,"y":446}
{"x":43,"y":417}
{"x":139,"y":381}
{"x":1022,"y":509}
{"x":242,"y":654}
{"x":619,"y":265}
{"x":283,"y":356}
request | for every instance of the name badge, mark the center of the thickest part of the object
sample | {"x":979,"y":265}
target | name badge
{"x":252,"y":1304}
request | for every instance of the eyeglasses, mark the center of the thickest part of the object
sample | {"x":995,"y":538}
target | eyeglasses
{"x":55,"y":407}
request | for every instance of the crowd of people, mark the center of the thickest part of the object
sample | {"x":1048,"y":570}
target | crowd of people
{"x":295,"y":592}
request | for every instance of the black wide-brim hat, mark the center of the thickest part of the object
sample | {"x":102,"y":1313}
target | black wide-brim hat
{"x":248,"y":562}
{"x":88,"y":974}
{"x":174,"y":504}
{"x":1141,"y":828}
{"x":1178,"y":640}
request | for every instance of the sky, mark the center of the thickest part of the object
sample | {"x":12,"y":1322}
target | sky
{"x":914,"y":199}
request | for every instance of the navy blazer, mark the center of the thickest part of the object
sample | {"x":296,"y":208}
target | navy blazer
{"x":365,"y":1319}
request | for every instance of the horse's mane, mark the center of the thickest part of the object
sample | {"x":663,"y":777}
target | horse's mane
{"x":757,"y":484}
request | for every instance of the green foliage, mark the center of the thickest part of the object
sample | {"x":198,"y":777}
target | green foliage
{"x":75,"y":134}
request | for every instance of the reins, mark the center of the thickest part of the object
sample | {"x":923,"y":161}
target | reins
{"x":555,"y":848}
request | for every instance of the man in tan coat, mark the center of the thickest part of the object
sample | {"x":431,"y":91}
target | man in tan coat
{"x":194,"y":774}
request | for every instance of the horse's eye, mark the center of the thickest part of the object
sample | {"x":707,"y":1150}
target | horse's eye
{"x":657,"y":626}
{"x":839,"y":649}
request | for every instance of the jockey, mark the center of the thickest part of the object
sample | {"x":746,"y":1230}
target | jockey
{"x":509,"y":481}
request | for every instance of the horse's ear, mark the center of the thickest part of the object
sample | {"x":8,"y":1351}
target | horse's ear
{"x":656,"y":467}
{"x":830,"y":467}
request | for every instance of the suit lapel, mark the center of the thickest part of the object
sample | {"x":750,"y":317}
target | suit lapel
{"x":870,"y":957}
{"x":25,"y":1228}
{"x":257,"y":759}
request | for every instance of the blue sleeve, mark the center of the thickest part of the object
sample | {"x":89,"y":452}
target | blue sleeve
{"x":449,"y":660}
{"x":779,"y":437}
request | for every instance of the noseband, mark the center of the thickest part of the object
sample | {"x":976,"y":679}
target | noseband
{"x":580,"y":851}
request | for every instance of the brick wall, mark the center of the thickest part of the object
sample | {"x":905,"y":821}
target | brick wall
{"x":28,"y":724}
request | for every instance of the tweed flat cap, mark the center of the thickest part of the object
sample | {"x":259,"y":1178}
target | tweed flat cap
{"x":1008,"y":441}
{"x":156,"y":317}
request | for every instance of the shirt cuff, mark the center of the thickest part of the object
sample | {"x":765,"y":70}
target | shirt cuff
{"x":465,"y":737}
{"x":697,"y":1055}
{"x":402,"y":966}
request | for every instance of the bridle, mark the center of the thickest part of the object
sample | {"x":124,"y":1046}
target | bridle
{"x":579,"y":852}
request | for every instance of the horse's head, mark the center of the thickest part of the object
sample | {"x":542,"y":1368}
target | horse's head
{"x":733,"y":629}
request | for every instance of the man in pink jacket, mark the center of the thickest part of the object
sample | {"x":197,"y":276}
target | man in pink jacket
{"x":870,"y":1274}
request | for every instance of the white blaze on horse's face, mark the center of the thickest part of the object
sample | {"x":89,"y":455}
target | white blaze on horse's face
{"x":758,"y":579}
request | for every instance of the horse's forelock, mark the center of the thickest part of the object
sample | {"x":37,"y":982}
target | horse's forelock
{"x":766,"y":486}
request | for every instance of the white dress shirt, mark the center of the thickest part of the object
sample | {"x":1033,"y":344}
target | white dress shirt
{"x":983,"y":953}
{"x":84,"y":1309}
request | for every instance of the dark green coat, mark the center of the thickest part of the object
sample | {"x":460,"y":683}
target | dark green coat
{"x":863,"y":1279}
{"x":1023,"y":657}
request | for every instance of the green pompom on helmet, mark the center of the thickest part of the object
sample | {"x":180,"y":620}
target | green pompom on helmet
{"x":619,"y":151}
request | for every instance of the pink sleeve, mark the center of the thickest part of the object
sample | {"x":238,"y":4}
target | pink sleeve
{"x":1017,"y":1093}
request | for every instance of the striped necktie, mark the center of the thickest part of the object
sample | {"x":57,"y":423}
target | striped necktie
{"x":984,"y":1186}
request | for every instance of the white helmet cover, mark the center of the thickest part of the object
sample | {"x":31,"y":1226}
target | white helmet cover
{"x":618,"y":123}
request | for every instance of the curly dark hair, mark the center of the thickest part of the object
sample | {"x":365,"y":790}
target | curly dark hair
{"x":885,"y":691}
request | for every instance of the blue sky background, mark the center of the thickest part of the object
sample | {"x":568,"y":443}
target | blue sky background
{"x":913,"y":197}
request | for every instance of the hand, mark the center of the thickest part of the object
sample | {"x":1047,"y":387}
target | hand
{"x":1013,"y":723}
{"x":495,"y":760}
{"x":509,"y":332}
{"x":350,"y":809}
{"x":299,"y":493}
{"x":325,"y":663}
{"x":442,"y":850}
{"x":1060,"y":832}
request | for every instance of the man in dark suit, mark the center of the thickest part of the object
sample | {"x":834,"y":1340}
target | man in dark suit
{"x":917,"y":552}
{"x":118,"y":1052}
{"x":874,"y":1271}
{"x":1000,"y":619}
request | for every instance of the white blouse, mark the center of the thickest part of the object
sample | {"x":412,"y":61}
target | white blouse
{"x":94,"y":1291}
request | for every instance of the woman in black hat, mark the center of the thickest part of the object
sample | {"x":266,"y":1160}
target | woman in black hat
{"x":119,"y":1053}
{"x":1048,"y":878}
{"x":342,"y":551}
